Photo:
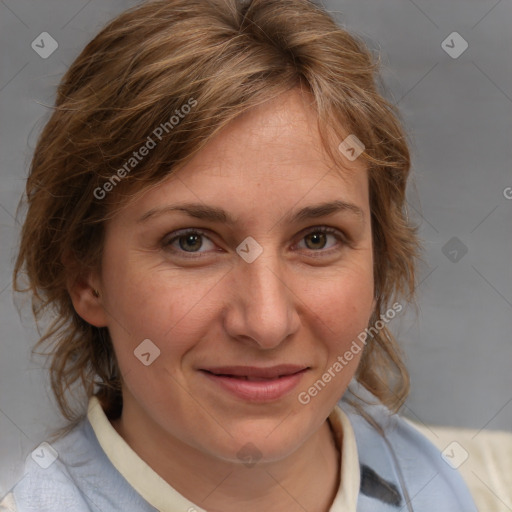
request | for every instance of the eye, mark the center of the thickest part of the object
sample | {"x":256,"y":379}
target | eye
{"x":189,"y":241}
{"x":320,"y":238}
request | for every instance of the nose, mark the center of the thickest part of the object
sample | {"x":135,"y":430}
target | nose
{"x":262,"y":307}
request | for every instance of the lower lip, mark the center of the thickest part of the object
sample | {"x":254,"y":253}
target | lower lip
{"x":258,"y":391}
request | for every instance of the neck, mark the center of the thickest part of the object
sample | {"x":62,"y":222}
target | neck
{"x":308,"y":479}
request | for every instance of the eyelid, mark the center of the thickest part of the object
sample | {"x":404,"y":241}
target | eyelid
{"x":170,"y":237}
{"x":321,"y":228}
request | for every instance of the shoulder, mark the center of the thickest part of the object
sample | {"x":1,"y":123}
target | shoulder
{"x":72,"y":474}
{"x":47,"y":483}
{"x":393,"y":452}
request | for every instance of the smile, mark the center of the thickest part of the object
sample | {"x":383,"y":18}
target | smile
{"x":256,"y":384}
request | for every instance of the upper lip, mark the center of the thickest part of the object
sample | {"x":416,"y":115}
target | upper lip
{"x":255,"y":371}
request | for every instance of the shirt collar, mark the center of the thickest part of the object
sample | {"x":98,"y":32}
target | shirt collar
{"x":158,"y":493}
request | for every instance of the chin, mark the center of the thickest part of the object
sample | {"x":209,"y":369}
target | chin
{"x":260,"y":441}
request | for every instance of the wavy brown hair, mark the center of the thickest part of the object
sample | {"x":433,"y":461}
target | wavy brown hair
{"x":227,"y":56}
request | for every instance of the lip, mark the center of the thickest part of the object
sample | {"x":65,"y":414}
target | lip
{"x":257,"y":384}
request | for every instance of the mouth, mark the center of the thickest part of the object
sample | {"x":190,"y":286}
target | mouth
{"x":254,"y":373}
{"x":257,"y":384}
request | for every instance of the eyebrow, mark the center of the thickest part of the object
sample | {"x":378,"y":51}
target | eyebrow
{"x":214,"y":214}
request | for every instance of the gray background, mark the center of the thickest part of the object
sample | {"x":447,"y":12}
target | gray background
{"x":459,"y":116}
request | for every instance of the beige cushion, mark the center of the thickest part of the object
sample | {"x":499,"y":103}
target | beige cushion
{"x":7,"y":504}
{"x":483,"y":458}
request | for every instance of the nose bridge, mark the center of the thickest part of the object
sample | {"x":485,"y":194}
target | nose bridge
{"x":263,"y":309}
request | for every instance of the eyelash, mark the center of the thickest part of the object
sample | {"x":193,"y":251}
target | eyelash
{"x":167,"y":242}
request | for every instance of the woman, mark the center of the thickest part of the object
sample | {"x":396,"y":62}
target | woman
{"x":216,"y":219}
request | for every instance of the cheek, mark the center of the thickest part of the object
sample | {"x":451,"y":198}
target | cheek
{"x":341,"y":310}
{"x":160,"y":305}
{"x":343,"y":302}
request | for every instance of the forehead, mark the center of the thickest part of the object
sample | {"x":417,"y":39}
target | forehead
{"x":281,"y":134}
{"x":271,"y":154}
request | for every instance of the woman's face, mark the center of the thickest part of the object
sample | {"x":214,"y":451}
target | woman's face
{"x":182,"y":268}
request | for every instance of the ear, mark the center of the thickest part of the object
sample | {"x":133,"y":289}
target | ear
{"x":85,"y":301}
{"x":82,"y":290}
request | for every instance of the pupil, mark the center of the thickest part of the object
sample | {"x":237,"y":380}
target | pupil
{"x":317,"y":240}
{"x":190,"y":243}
